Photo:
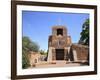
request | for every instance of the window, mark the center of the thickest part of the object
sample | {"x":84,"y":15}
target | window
{"x":59,"y":31}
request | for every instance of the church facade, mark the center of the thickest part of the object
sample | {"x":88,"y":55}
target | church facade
{"x":60,"y":47}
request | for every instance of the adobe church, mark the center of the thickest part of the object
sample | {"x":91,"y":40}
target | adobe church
{"x":60,"y":47}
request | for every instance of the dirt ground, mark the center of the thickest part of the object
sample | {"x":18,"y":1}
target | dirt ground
{"x":57,"y":64}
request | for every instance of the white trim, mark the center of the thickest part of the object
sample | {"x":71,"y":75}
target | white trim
{"x":34,"y":71}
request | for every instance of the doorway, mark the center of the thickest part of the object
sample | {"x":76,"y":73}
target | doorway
{"x":59,"y":54}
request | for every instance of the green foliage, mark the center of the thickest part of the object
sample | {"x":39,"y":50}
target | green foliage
{"x":43,"y":52}
{"x":84,"y":39}
{"x":27,"y":45}
{"x":25,"y":60}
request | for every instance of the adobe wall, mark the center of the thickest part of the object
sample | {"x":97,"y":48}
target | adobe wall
{"x":82,"y":51}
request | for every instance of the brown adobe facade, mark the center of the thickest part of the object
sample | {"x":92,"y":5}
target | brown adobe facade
{"x":60,"y":47}
{"x":35,"y":58}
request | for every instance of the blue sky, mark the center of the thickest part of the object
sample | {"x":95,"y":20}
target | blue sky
{"x":38,"y":25}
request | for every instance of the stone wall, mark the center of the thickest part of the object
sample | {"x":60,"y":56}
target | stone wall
{"x":35,"y":57}
{"x":82,"y":52}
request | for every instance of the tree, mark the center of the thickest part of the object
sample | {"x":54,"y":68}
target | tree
{"x":84,"y":39}
{"x":42,"y":52}
{"x":27,"y":45}
{"x":25,"y":60}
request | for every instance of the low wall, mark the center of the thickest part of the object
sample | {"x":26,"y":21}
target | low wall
{"x":82,"y":52}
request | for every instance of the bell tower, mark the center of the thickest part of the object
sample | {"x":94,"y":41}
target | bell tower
{"x":59,"y":30}
{"x":58,"y":43}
